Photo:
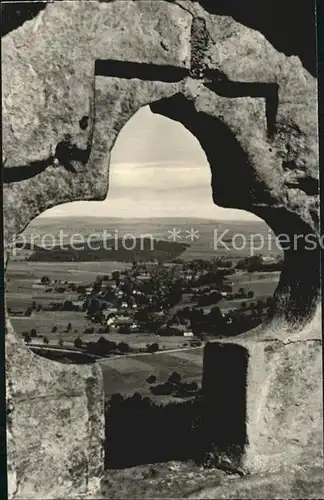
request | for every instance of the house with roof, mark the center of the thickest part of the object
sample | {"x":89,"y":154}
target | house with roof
{"x":109,"y":313}
{"x":122,"y":320}
{"x":78,"y":304}
{"x":124,"y":323}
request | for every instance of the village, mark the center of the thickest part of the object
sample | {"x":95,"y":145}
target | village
{"x":194,"y":300}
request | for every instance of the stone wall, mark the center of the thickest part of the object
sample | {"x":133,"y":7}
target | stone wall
{"x":55,"y":425}
{"x":65,"y":99}
{"x":264,"y":396}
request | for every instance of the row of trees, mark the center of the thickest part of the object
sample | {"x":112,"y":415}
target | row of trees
{"x":173,"y":386}
{"x":28,"y":336}
{"x":256,"y":263}
{"x":81,"y":289}
{"x":104,"y":347}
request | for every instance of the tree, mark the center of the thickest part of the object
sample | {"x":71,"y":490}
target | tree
{"x":174,"y":378}
{"x":151,"y":379}
{"x":216,"y":315}
{"x":196,"y":343}
{"x":45,"y":340}
{"x":33,"y":333}
{"x":127,"y":286}
{"x":123,"y":347}
{"x":250,"y":264}
{"x":68,"y":306}
{"x":60,"y":342}
{"x":162,"y":389}
{"x":28,"y":311}
{"x":192,"y":386}
{"x":269,"y":301}
{"x":78,"y":344}
{"x":112,"y":345}
{"x":69,"y":327}
{"x":104,"y":346}
{"x":27,"y":338}
{"x":260,"y":306}
{"x":124,"y":329}
{"x":250,"y":294}
{"x":45,"y":280}
{"x":89,"y":330}
{"x":153,"y":348}
{"x":116,"y":277}
{"x":98,"y":317}
{"x":54,"y":329}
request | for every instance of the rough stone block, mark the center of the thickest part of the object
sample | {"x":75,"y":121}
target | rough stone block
{"x":55,"y":426}
{"x":265,"y":395}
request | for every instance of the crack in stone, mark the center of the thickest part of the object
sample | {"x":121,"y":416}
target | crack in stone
{"x":50,"y":396}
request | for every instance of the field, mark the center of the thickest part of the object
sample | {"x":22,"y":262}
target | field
{"x":22,"y":279}
{"x":126,"y":375}
{"x":139,"y":340}
{"x":44,"y":321}
{"x":22,"y":290}
{"x":81,"y":272}
{"x":263,"y":285}
{"x":214,"y":238}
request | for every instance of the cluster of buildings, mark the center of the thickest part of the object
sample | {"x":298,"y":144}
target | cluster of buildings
{"x":145,"y":297}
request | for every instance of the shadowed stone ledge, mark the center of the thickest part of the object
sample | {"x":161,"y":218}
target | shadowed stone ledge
{"x":265,"y":395}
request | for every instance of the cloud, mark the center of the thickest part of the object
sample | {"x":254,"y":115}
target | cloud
{"x":152,"y":138}
{"x":158,"y":169}
{"x":159,"y":176}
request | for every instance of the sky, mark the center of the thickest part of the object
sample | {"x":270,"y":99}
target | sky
{"x":157,"y":169}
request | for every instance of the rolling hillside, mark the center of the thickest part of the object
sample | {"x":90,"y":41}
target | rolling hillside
{"x":127,"y":375}
{"x":200,"y":246}
{"x":112,"y":250}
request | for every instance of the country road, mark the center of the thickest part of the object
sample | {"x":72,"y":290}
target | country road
{"x":109,"y":358}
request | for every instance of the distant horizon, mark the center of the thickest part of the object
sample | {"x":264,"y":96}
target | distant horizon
{"x":157,"y":168}
{"x":90,"y":216}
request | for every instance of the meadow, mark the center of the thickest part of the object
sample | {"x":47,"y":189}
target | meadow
{"x":126,"y":375}
{"x":22,"y":289}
